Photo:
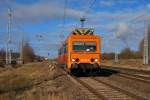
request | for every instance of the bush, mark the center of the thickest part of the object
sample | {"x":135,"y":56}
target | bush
{"x":13,"y":62}
{"x":127,"y":53}
{"x":1,"y":63}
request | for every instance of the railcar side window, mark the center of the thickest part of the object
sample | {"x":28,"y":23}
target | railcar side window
{"x":84,"y":46}
{"x":65,"y":48}
{"x":59,"y":52}
{"x":62,"y":51}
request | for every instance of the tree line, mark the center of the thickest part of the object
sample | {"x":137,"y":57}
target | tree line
{"x":127,"y":53}
{"x":27,"y":52}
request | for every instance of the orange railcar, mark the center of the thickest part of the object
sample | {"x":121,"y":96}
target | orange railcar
{"x":80,"y":48}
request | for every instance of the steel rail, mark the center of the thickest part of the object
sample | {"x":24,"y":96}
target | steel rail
{"x":122,"y":90}
{"x":132,"y":76}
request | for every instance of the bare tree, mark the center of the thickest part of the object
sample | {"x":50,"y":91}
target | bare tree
{"x":28,"y":53}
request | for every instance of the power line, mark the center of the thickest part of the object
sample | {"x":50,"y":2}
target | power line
{"x":64,"y":18}
{"x":91,"y":5}
{"x":65,"y":8}
{"x":142,"y":15}
{"x":86,"y":11}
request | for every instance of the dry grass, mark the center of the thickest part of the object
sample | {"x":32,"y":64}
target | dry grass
{"x":37,"y":81}
{"x":127,"y":63}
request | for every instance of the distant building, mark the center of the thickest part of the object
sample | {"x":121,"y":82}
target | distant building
{"x":46,"y":58}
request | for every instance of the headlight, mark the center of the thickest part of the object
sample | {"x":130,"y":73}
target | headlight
{"x":73,"y":60}
{"x":96,"y":60}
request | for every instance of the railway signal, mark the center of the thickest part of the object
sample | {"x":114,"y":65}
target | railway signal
{"x":48,"y":54}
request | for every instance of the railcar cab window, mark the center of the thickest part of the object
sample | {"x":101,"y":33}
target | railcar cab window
{"x":84,"y":46}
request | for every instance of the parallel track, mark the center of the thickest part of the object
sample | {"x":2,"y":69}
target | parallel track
{"x":128,"y":70}
{"x":106,"y":91}
{"x":122,"y":90}
{"x":100,"y":90}
{"x":97,"y":89}
{"x":135,"y":77}
{"x":132,"y":76}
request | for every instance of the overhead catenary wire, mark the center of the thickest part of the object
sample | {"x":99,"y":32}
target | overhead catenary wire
{"x":64,"y":18}
{"x":142,"y":15}
{"x":90,"y":6}
{"x":86,"y":11}
{"x":145,"y":45}
{"x":132,"y":20}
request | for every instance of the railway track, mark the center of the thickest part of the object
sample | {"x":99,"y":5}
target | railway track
{"x":142,"y":73}
{"x":107,"y":91}
{"x":100,"y":90}
{"x":88,"y":91}
{"x":97,"y":89}
{"x":136,"y":77}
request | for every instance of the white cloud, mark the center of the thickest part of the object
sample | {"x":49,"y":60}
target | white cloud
{"x":41,"y":11}
{"x":44,"y":11}
{"x":116,"y":21}
{"x":108,"y":3}
{"x":127,"y":25}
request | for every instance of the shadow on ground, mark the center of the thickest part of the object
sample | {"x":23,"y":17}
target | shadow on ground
{"x":103,"y":72}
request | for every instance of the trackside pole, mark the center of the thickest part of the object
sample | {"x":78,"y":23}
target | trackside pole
{"x":145,"y":56}
{"x":6,"y":53}
{"x":116,"y":56}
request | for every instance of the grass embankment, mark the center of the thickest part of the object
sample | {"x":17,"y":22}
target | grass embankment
{"x":15,"y":81}
{"x":37,"y":81}
{"x":22,"y":78}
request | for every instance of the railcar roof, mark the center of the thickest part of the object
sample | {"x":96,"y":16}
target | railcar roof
{"x":71,"y":35}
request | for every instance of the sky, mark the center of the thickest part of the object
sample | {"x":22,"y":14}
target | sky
{"x":120,"y":23}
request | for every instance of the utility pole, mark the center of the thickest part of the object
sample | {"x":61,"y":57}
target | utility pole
{"x":21,"y":50}
{"x":9,"y":34}
{"x":116,"y":51}
{"x":145,"y":56}
{"x":6,"y":52}
{"x":82,"y":20}
{"x":116,"y":56}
